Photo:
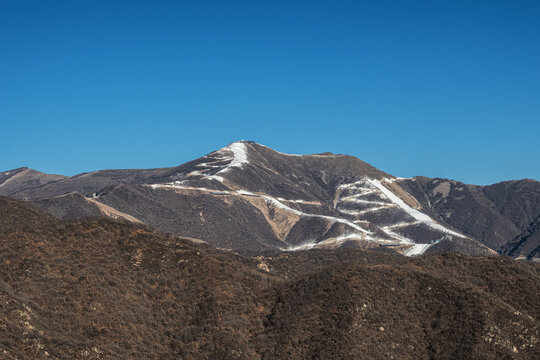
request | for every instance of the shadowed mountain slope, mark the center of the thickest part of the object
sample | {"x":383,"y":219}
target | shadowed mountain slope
{"x":527,"y":244}
{"x":493,"y":215}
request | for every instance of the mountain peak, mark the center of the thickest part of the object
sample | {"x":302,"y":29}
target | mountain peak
{"x":14,"y":171}
{"x":24,"y":178}
{"x":262,"y":147}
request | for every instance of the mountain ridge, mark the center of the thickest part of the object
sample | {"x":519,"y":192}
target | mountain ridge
{"x":294,"y":202}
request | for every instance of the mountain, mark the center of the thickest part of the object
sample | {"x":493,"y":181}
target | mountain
{"x":98,"y":288}
{"x":491,"y":214}
{"x":14,"y":181}
{"x":254,"y":200}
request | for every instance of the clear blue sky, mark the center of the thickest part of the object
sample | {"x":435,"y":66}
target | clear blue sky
{"x":434,"y":88}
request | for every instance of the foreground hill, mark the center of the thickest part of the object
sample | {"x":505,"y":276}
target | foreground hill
{"x":254,"y":200}
{"x":102,"y":289}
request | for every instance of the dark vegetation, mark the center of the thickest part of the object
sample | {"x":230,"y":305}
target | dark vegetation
{"x":101,"y":289}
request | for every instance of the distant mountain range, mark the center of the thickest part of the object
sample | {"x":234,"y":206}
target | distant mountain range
{"x":254,"y":200}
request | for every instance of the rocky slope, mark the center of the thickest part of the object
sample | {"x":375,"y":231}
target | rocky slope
{"x":254,"y":200}
{"x":102,"y":289}
{"x":493,"y":215}
{"x":527,"y":244}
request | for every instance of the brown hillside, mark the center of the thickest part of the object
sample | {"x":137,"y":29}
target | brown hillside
{"x":99,"y":289}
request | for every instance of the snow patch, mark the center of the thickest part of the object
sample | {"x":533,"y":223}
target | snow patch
{"x":417,"y":249}
{"x":177,"y":186}
{"x":421,"y":217}
{"x":402,"y":239}
{"x":403,"y":224}
{"x":215,"y":177}
{"x":304,"y":246}
{"x":299,"y":201}
{"x":239,"y":159}
{"x":362,"y":201}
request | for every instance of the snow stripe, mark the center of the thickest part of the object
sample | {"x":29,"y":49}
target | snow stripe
{"x":417,"y":249}
{"x":239,"y":151}
{"x":409,"y":210}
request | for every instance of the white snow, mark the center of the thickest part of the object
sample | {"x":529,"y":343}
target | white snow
{"x":358,"y":197}
{"x":400,"y":238}
{"x":362,"y":201}
{"x":348,"y":212}
{"x":195,"y":173}
{"x":239,"y":151}
{"x":397,"y":178}
{"x":304,"y":246}
{"x":361,"y":188}
{"x":363,"y":191}
{"x":333,"y":241}
{"x":403,"y":224}
{"x":417,"y":249}
{"x":215,"y":177}
{"x":299,"y":201}
{"x":207,"y":165}
{"x":177,"y":186}
{"x":244,"y":192}
{"x":237,"y":159}
{"x":389,"y":199}
{"x":325,"y":155}
{"x":409,"y":210}
{"x":240,"y":154}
